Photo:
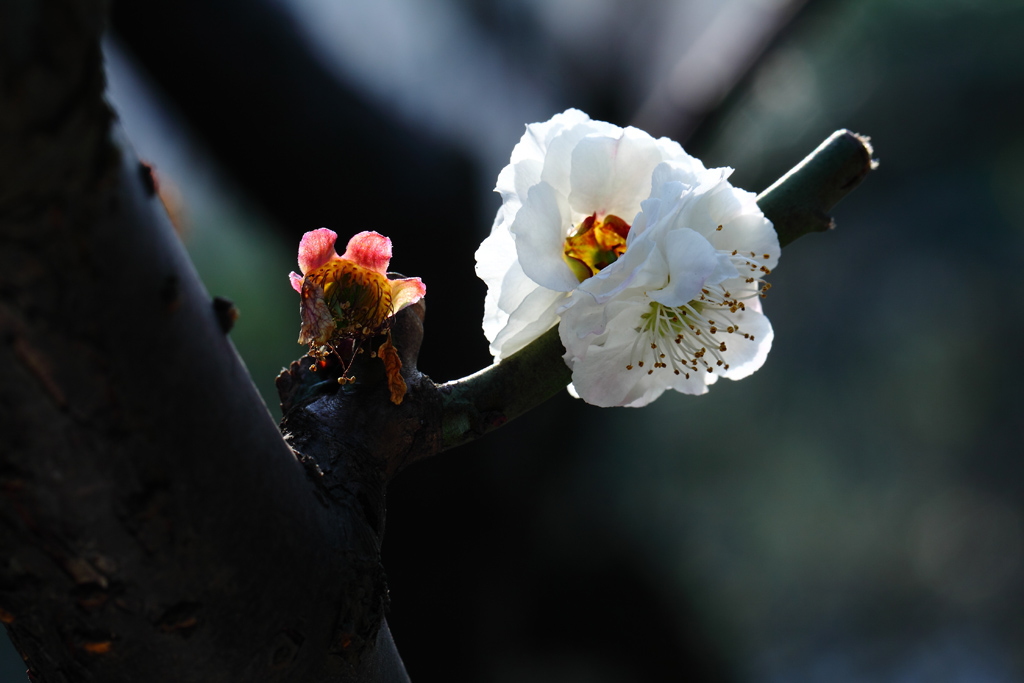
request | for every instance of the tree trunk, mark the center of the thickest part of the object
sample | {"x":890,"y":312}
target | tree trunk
{"x":154,"y":523}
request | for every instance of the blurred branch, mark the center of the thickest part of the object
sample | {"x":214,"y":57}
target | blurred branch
{"x":715,"y":61}
{"x":798,"y":203}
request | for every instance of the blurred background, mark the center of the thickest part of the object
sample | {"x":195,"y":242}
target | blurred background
{"x":852,"y":512}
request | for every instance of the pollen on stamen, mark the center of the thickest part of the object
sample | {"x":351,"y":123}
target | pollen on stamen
{"x":629,"y":367}
{"x":720,"y":227}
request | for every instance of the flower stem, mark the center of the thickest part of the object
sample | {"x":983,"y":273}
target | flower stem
{"x":485,"y":400}
{"x":797,"y":203}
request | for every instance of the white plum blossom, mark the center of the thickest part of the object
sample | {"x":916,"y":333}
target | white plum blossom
{"x":640,"y":254}
{"x":562,"y":172}
{"x":681,"y":307}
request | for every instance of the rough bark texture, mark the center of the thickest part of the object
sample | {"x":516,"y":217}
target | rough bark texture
{"x":154,"y":524}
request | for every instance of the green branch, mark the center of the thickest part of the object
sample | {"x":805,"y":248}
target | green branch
{"x":797,"y":204}
{"x":474,"y":405}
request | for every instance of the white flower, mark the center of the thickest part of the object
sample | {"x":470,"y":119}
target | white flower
{"x":682,"y":306}
{"x":638,"y":295}
{"x":561,"y":172}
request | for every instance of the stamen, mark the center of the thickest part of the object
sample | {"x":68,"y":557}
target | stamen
{"x":696,"y":343}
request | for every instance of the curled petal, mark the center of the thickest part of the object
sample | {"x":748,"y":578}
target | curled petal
{"x":296,"y":281}
{"x":393,"y":369}
{"x":406,"y":292}
{"x":534,"y":316}
{"x":370,"y":250}
{"x":692,"y":260}
{"x":316,"y":249}
{"x":540,"y":229}
{"x":317,"y":322}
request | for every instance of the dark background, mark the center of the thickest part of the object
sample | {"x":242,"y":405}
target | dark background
{"x":852,"y":512}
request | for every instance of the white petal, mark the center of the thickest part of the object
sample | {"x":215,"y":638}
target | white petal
{"x":532,"y":318}
{"x":537,"y":138}
{"x":691,"y":261}
{"x":642,"y":266}
{"x":507,"y":285}
{"x":540,"y":229}
{"x":689,"y":172}
{"x":745,"y":356}
{"x":558,"y":159}
{"x":611,"y":175}
{"x":744,"y":226}
{"x":601,"y":378}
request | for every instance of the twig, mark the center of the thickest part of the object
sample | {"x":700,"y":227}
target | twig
{"x":797,"y":204}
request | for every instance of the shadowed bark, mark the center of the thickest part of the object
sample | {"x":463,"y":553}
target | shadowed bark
{"x":154,"y":524}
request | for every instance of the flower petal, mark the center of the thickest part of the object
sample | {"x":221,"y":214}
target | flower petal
{"x":316,"y":248}
{"x":406,"y":291}
{"x":745,"y":357}
{"x":393,"y":370}
{"x":602,"y":379}
{"x":535,"y":316}
{"x":540,"y":229}
{"x":296,"y":281}
{"x":317,"y":322}
{"x":742,"y":223}
{"x":612,"y":175}
{"x":558,"y":158}
{"x":691,"y":262}
{"x":370,"y":250}
{"x":643,"y":265}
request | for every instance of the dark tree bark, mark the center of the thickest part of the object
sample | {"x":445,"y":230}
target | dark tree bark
{"x":154,"y":524}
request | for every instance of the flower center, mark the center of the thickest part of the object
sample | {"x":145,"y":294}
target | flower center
{"x":595,"y":244}
{"x":691,"y":337}
{"x":358,"y":298}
